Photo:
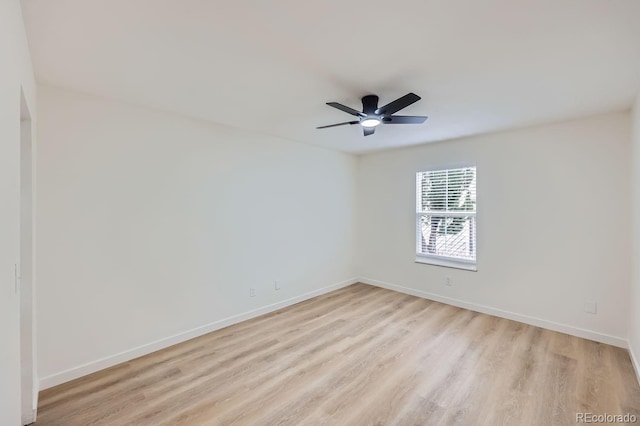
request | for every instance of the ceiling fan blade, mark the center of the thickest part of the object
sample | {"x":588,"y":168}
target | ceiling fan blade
{"x":369,"y":130}
{"x":404,"y":119}
{"x":346,"y":109}
{"x":338,"y":124}
{"x":398,"y":104}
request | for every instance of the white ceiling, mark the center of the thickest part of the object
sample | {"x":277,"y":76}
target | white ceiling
{"x":270,"y":66}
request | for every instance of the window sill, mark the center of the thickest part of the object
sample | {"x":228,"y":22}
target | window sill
{"x":447,"y":263}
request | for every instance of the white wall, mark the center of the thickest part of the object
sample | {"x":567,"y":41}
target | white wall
{"x":553,"y":224}
{"x":634,"y":297}
{"x":151,"y":225}
{"x":15,"y":72}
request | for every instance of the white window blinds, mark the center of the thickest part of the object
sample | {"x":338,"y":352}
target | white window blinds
{"x":446,"y":214}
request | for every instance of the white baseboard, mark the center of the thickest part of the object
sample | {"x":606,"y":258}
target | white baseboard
{"x":550,"y":325}
{"x":29,"y":418}
{"x":110,"y":361}
{"x":634,"y":360}
{"x":36,"y":396}
{"x":30,"y":415}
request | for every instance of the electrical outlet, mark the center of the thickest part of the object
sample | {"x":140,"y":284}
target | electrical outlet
{"x":276,"y":285}
{"x":448,"y":281}
{"x":590,"y":307}
{"x":252,"y":292}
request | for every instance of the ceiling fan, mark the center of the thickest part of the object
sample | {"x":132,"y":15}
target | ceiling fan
{"x":372,"y":116}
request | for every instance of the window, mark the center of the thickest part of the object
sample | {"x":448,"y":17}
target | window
{"x":446,"y":217}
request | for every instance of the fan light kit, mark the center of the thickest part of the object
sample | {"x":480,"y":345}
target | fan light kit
{"x":372,"y":116}
{"x":370,"y":122}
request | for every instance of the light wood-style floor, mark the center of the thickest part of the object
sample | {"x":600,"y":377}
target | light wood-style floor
{"x":358,"y":356}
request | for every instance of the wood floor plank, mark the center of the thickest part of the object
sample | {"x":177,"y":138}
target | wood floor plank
{"x":360,"y":355}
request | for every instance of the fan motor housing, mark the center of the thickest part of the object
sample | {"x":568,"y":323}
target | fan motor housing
{"x":369,"y":104}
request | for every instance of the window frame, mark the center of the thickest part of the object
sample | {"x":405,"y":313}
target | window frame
{"x":435,"y":259}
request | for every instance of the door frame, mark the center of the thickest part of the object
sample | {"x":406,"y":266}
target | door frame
{"x":25,"y":269}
